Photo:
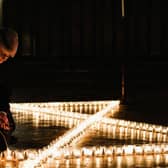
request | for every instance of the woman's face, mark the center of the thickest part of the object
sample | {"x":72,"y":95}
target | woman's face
{"x":5,"y":54}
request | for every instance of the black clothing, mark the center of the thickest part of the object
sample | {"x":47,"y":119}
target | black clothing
{"x":3,"y":145}
{"x":5,"y":93}
{"x":4,"y":105}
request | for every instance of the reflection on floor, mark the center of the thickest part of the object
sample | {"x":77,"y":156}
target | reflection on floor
{"x":101,"y":141}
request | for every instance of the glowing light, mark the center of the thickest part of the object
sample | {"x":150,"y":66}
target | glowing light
{"x":73,"y":133}
{"x":81,"y":116}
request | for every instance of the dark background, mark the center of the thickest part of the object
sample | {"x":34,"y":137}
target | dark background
{"x":81,"y":49}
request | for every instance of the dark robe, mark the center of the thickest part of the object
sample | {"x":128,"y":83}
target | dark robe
{"x":5,"y":93}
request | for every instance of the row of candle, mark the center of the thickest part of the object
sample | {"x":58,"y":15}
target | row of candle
{"x":89,"y":107}
{"x":69,"y":152}
{"x":45,"y":114}
{"x":109,"y":127}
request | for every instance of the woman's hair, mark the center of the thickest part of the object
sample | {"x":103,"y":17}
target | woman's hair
{"x":8,"y":38}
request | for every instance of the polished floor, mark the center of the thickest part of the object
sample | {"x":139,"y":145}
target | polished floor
{"x":146,"y":101}
{"x":34,"y":133}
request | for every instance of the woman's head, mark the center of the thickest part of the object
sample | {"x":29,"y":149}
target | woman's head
{"x":8,"y":43}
